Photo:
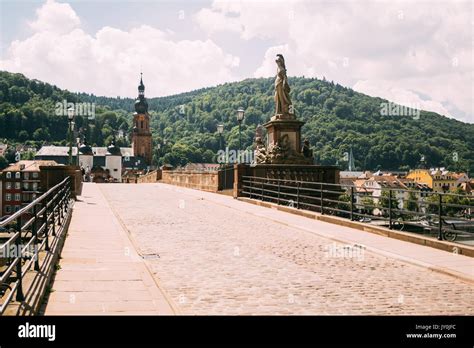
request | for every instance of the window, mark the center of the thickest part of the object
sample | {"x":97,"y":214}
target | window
{"x":8,"y":209}
{"x":17,"y":175}
{"x":35,"y":186}
{"x":17,"y":197}
{"x":9,"y":175}
{"x":8,"y":185}
{"x":33,"y":196}
{"x":8,"y":197}
{"x":17,"y":208}
{"x":35,"y":175}
{"x":26,"y":186}
{"x":26,"y":175}
{"x":25,"y":197}
{"x":17,"y":186}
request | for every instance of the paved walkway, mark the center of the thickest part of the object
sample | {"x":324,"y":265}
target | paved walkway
{"x":211,"y":254}
{"x":216,"y":255}
{"x":100,"y":271}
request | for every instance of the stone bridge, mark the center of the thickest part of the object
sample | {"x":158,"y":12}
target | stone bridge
{"x":161,"y":249}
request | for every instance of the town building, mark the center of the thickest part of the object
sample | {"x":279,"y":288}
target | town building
{"x":438,"y":179}
{"x":467,"y":187}
{"x":368,"y":185}
{"x":96,"y":159}
{"x":376,"y":184}
{"x":21,"y":184}
{"x":460,"y":178}
{"x":108,"y":164}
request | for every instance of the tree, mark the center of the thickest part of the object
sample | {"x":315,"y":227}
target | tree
{"x":344,"y":204}
{"x":41,"y":134}
{"x":3,"y":163}
{"x":23,"y":135}
{"x":457,"y":198}
{"x":343,"y":110}
{"x":432,"y":203}
{"x":367,"y":205}
{"x":336,"y":118}
{"x":384,"y":200}
{"x":411,"y":203}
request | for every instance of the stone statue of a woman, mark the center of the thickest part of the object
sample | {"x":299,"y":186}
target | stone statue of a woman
{"x":282,"y":90}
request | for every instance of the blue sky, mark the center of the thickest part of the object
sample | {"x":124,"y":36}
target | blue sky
{"x":417,"y":53}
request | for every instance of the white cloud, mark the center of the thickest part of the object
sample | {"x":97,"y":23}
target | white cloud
{"x":268,"y":67}
{"x":387,"y":90}
{"x":401,"y":49}
{"x":109,"y":62}
{"x":55,"y":17}
{"x":212,"y":22}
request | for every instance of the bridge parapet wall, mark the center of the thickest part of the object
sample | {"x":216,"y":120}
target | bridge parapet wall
{"x":205,"y":181}
{"x":151,"y":177}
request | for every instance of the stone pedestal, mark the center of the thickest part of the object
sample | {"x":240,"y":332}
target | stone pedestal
{"x":283,"y":142}
{"x":278,"y":128}
{"x":290,"y":172}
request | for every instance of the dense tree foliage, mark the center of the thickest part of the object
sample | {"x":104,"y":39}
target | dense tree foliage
{"x":184,"y":125}
{"x":28,"y":114}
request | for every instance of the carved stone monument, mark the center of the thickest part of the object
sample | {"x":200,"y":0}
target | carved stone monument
{"x":283,"y":129}
{"x":282,"y":156}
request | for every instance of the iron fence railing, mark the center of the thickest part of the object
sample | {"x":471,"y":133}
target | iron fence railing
{"x":226,"y":177}
{"x":28,"y":232}
{"x":448,"y":216}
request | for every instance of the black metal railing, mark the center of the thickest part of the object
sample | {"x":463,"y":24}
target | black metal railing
{"x":28,"y":232}
{"x":226,"y":177}
{"x":447,"y":216}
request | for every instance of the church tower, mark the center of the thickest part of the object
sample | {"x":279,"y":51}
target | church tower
{"x":141,"y":135}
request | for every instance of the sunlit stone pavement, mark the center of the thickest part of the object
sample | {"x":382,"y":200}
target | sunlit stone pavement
{"x":212,"y":256}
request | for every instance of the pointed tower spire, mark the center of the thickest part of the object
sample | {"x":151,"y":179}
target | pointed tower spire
{"x":141,"y":87}
{"x":141,"y":134}
{"x":351,"y":163}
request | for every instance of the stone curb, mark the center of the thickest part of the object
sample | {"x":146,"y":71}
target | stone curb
{"x":165,"y":294}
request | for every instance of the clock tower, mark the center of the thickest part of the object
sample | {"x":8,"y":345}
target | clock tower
{"x":141,"y":135}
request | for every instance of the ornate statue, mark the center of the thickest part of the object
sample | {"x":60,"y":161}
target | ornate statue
{"x":282,"y":89}
{"x":283,"y":129}
{"x":275,"y":153}
{"x":260,"y":151}
{"x":306,"y":150}
{"x":281,"y":152}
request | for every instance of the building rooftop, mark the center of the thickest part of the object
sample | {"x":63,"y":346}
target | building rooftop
{"x":389,"y":181}
{"x":29,"y":165}
{"x":350,"y":174}
{"x":63,"y":151}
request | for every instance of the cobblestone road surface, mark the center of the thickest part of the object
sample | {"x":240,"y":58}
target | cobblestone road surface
{"x":216,"y":259}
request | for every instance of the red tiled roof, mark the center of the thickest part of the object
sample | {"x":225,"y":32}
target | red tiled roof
{"x":29,"y":165}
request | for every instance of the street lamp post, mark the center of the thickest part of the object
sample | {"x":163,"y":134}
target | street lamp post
{"x":78,"y":143}
{"x":220,"y":130}
{"x":222,"y":166}
{"x":240,"y":118}
{"x":70,"y":116}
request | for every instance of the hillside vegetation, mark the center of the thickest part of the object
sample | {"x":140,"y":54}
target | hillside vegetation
{"x":336,"y":117}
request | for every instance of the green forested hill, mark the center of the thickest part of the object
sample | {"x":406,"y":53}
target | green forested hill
{"x":185,"y":124}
